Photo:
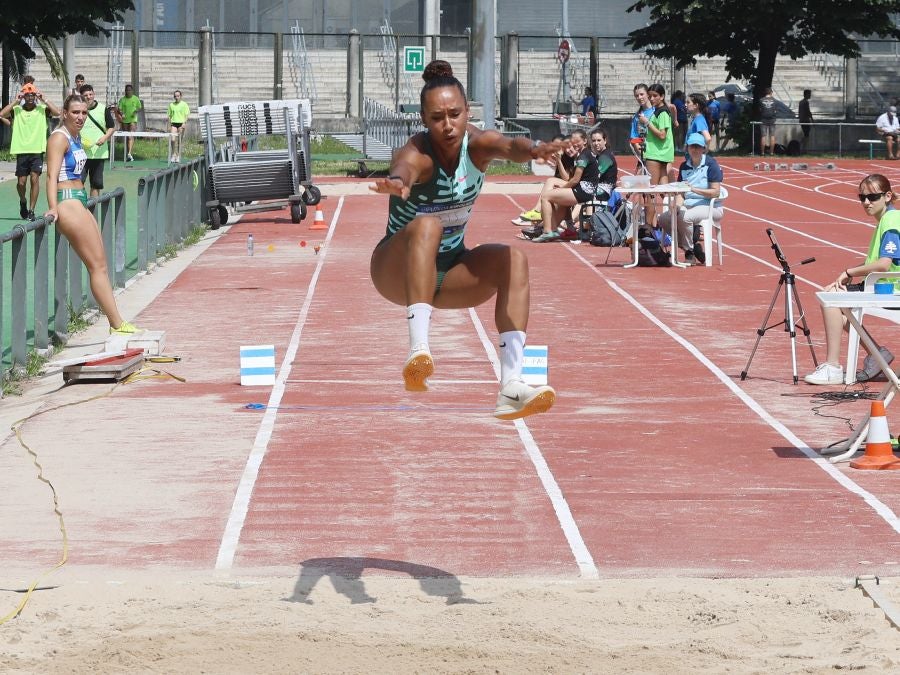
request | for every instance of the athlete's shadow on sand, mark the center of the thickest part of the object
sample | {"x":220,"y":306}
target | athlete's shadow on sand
{"x":346,"y":577}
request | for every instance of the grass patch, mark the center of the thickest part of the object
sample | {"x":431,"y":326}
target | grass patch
{"x":34,"y":364}
{"x":77,"y":319}
{"x":197,"y":232}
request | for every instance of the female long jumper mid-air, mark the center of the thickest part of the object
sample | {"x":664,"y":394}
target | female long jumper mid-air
{"x":422,"y":261}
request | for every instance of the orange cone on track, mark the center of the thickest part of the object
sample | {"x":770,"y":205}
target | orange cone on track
{"x":879,"y":454}
{"x":319,"y":221}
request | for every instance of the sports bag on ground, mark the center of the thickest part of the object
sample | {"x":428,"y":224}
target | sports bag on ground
{"x":605,"y":230}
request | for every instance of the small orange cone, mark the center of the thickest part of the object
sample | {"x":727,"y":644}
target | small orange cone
{"x":879,"y":454}
{"x":319,"y":221}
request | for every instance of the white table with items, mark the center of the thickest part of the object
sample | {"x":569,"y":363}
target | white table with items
{"x":669,"y":190}
{"x":850,"y":303}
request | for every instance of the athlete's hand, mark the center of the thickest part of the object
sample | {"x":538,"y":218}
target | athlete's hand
{"x":50,"y":215}
{"x":545,"y":152}
{"x":390,"y":186}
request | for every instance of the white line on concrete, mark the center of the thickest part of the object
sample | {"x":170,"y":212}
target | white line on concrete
{"x":583,"y":558}
{"x":877,"y":505}
{"x":238,"y":515}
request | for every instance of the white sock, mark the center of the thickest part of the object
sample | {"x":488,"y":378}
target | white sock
{"x":512,"y":351}
{"x":418,"y":317}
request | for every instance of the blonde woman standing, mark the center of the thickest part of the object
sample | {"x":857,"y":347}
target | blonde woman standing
{"x":68,"y":199}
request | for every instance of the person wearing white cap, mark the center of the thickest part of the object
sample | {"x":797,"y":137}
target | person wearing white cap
{"x":888,"y":125}
{"x":703,"y":173}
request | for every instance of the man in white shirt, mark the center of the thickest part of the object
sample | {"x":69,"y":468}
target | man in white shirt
{"x":888,"y":125}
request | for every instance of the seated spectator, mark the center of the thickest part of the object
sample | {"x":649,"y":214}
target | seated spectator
{"x":564,"y":164}
{"x":879,"y":202}
{"x":888,"y":125}
{"x":556,"y":202}
{"x":703,"y":173}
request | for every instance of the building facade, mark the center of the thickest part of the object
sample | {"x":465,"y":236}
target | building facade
{"x":526,"y":17}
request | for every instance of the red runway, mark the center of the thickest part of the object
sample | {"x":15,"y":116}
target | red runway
{"x":656,"y":460}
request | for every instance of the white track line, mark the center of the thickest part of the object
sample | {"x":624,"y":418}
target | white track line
{"x":239,"y":507}
{"x":582,"y":555}
{"x":877,"y":505}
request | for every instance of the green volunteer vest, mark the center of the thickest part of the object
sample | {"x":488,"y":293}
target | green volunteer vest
{"x":889,"y":221}
{"x":29,"y":133}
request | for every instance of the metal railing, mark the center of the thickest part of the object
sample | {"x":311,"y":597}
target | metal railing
{"x":386,"y":126}
{"x":171,"y":203}
{"x":32,"y":278}
{"x":46,"y":276}
{"x":826,"y":138}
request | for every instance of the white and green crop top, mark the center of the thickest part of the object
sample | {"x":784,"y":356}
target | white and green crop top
{"x":448,"y":197}
{"x":73,"y":161}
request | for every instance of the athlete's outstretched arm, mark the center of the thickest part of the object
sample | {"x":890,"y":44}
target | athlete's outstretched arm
{"x":409,"y":164}
{"x":488,"y":145}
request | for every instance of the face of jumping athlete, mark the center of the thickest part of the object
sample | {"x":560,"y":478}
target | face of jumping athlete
{"x":446,"y":115}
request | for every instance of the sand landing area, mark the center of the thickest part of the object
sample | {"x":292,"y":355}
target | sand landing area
{"x":321,"y":622}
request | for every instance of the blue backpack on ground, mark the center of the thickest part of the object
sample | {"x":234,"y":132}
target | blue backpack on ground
{"x":605,"y":230}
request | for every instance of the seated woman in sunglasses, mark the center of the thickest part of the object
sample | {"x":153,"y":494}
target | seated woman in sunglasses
{"x":879,"y":201}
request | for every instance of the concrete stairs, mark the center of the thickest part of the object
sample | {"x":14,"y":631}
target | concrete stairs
{"x":247,"y":74}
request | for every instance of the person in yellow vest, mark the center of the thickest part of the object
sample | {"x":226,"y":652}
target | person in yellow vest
{"x":98,"y":128}
{"x":129,"y":105}
{"x":29,"y":112}
{"x":178,"y":113}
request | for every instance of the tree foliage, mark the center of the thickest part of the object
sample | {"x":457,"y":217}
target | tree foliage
{"x":23,"y":19}
{"x":751,"y":37}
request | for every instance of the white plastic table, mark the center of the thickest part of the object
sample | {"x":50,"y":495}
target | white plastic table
{"x":669,"y":190}
{"x":848,"y":302}
{"x":135,"y":134}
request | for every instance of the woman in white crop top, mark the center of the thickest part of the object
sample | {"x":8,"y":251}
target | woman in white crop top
{"x":67,"y":200}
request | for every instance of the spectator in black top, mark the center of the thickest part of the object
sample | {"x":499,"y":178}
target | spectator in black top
{"x":805,"y":116}
{"x":767,"y":114}
{"x":581,"y":187}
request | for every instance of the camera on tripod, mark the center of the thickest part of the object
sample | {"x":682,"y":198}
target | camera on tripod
{"x":791,"y":298}
{"x":779,"y":254}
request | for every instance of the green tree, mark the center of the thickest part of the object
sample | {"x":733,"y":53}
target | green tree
{"x":46,"y":20}
{"x":751,"y":37}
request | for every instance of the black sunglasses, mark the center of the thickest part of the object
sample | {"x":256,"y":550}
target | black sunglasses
{"x":871,"y":198}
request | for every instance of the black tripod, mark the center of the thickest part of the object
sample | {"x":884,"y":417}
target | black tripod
{"x":790,"y":300}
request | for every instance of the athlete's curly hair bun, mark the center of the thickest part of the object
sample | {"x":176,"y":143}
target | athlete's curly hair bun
{"x":436,"y":69}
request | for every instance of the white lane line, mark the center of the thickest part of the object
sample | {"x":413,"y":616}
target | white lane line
{"x":381,"y":383}
{"x":792,"y":230}
{"x":239,"y":507}
{"x":877,"y":505}
{"x":583,"y":558}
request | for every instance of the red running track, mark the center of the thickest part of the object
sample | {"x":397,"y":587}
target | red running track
{"x":656,"y":460}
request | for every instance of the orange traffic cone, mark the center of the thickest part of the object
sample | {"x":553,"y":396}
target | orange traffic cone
{"x":879,"y":454}
{"x":319,"y":221}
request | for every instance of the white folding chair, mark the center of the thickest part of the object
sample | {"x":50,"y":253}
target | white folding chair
{"x":853,"y":338}
{"x":709,"y":224}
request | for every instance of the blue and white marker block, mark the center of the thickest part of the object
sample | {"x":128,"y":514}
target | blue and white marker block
{"x":534,"y":365}
{"x":258,"y":365}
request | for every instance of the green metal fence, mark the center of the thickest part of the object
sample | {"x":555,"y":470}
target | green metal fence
{"x":41,"y":276}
